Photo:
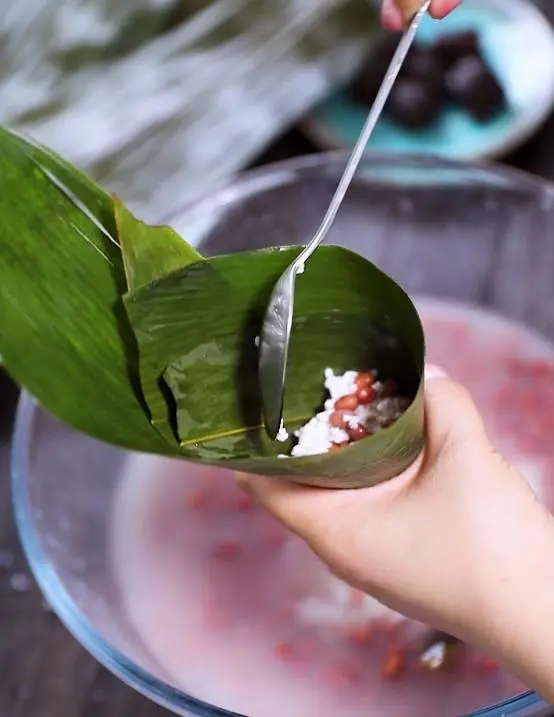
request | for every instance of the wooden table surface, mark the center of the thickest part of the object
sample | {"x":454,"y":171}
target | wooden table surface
{"x":43,"y":671}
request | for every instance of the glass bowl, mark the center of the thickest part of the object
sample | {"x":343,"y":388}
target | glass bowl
{"x":474,"y":233}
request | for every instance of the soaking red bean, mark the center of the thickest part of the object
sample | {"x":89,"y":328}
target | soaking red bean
{"x":364,"y":380}
{"x":366,"y":395}
{"x":358,"y":432}
{"x":338,"y":419}
{"x":347,"y":403}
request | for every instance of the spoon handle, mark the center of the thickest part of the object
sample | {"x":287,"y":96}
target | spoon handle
{"x":370,"y":124}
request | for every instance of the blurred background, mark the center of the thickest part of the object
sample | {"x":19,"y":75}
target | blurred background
{"x":160,"y":100}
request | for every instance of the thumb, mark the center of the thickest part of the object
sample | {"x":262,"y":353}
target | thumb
{"x":452,"y":419}
{"x":396,"y":13}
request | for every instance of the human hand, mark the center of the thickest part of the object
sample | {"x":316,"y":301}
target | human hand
{"x":459,"y":541}
{"x":396,"y":13}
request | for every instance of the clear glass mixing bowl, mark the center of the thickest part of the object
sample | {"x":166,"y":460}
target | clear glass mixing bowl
{"x":468,"y":232}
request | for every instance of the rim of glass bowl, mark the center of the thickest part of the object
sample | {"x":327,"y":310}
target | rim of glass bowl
{"x":525,"y":705}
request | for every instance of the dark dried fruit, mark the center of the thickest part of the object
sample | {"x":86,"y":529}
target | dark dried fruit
{"x":454,"y":46}
{"x":472,"y":85}
{"x":414,"y":104}
{"x":451,"y":70}
{"x":423,"y":64}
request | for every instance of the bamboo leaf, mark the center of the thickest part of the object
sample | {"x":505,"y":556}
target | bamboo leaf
{"x":160,"y":338}
{"x":64,"y":334}
{"x":196,"y":331}
{"x":149,"y":253}
{"x":170,"y":366}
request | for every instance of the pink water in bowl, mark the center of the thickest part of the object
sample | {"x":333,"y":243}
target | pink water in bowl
{"x":242,"y":615}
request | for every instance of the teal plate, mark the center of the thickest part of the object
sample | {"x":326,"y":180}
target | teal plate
{"x":518,"y":43}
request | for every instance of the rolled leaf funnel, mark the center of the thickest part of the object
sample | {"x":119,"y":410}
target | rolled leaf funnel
{"x":123,"y":331}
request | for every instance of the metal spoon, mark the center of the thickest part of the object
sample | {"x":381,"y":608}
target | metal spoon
{"x":277,"y":325}
{"x":438,"y":649}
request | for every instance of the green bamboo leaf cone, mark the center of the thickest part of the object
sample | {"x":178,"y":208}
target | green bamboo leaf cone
{"x":123,"y":331}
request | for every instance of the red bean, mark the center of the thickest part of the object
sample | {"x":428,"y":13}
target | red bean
{"x":360,"y":635}
{"x":364,"y":379}
{"x":244,"y":502}
{"x":393,"y":665}
{"x":356,"y":433}
{"x":283,"y":651}
{"x":528,"y":401}
{"x":540,"y":369}
{"x":347,"y":403}
{"x":197,"y":499}
{"x":487,"y":666}
{"x":228,"y":550}
{"x":341,"y":675}
{"x":366,"y":395}
{"x":338,"y":419}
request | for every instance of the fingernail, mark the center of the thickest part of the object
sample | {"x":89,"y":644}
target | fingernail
{"x":391,"y":16}
{"x":433,"y":371}
{"x":440,"y":8}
